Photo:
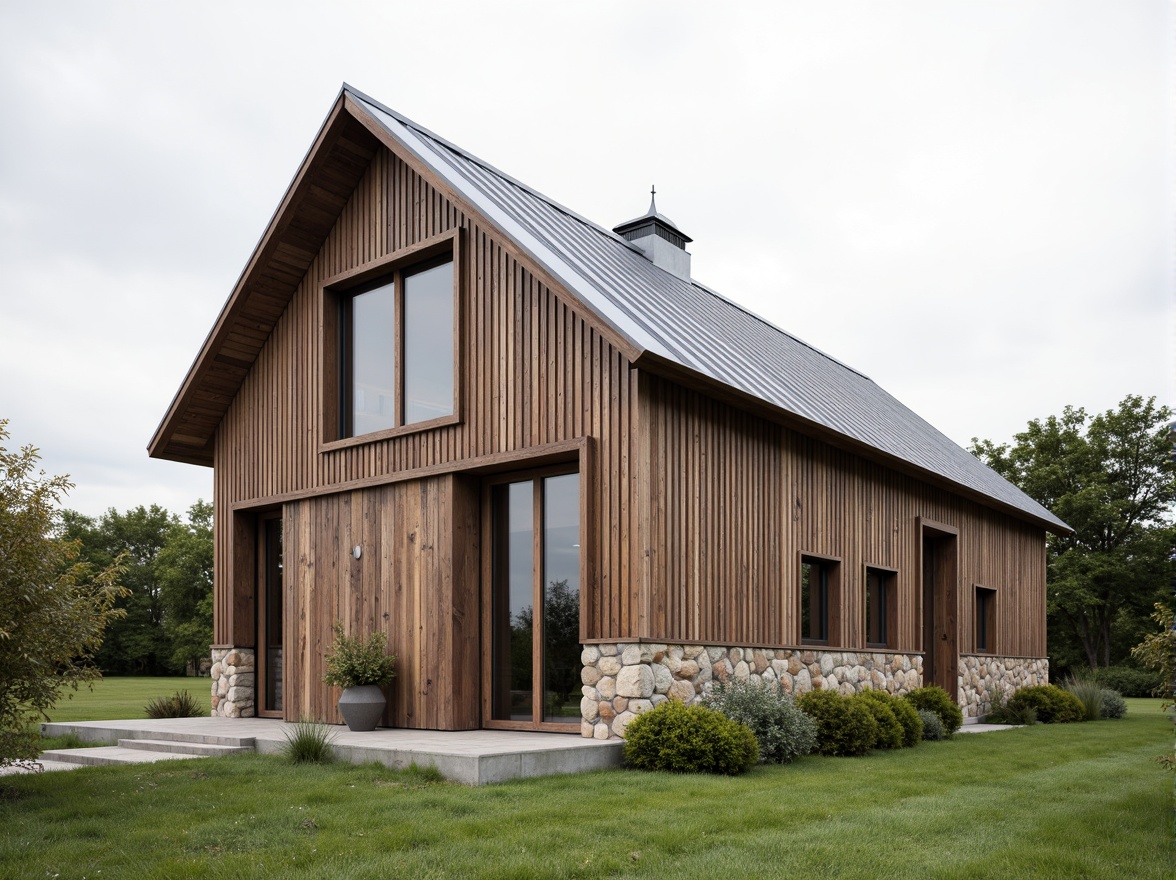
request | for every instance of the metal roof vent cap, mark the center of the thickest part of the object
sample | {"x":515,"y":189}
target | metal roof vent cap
{"x":659,"y":239}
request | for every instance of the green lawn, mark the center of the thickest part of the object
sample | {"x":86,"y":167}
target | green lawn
{"x":1058,"y":801}
{"x":117,"y":698}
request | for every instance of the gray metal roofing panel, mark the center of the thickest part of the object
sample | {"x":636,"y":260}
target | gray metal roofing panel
{"x":696,"y":328}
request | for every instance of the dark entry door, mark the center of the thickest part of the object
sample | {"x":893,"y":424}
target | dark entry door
{"x":533,"y":556}
{"x":269,"y":616}
{"x":940,"y":624}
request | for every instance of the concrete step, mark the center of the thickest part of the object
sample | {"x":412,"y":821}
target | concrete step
{"x":186,"y":747}
{"x":105,"y":755}
{"x":114,"y":731}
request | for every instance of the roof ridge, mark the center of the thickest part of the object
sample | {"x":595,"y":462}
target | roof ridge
{"x":477,"y":160}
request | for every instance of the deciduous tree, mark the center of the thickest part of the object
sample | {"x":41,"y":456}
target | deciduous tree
{"x":1112,"y":478}
{"x":53,"y":609}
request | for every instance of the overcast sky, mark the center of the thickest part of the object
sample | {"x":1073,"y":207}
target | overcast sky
{"x":970,"y":202}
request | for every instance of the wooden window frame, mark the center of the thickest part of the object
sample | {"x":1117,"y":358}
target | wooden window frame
{"x":832,"y":567}
{"x":338,"y":290}
{"x":984,"y":619}
{"x":889,"y":601}
{"x":533,"y":474}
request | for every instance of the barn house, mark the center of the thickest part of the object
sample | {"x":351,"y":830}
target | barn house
{"x":567,"y":480}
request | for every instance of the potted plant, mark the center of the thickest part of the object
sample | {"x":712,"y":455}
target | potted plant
{"x":362,"y":668}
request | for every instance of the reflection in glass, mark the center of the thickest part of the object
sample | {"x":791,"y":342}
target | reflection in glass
{"x":561,"y":599}
{"x":428,"y":344}
{"x":373,"y":360}
{"x":513,"y":625}
{"x":273,"y":614}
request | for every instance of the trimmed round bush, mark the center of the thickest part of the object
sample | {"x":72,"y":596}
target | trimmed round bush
{"x":932,"y":725}
{"x":890,"y":732}
{"x":845,"y":727}
{"x":1113,"y":704}
{"x":1128,"y":681}
{"x":783,"y":732}
{"x":935,"y":699}
{"x":689,"y":739}
{"x":906,"y":715}
{"x":1053,"y":705}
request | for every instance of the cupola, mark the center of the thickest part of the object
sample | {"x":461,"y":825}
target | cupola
{"x":659,"y":239}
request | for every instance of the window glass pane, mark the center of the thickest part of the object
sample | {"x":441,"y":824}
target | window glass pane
{"x":814,"y":601}
{"x":513,"y":597}
{"x":373,"y":360}
{"x":876,"y":598}
{"x":428,"y":344}
{"x":561,"y":599}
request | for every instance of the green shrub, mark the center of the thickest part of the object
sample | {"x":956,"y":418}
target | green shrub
{"x":1128,"y":681}
{"x":1089,"y":693}
{"x":308,"y":742}
{"x":906,"y":715}
{"x":932,"y":725}
{"x":181,"y":704}
{"x":935,"y":699}
{"x":689,"y":739}
{"x":1053,"y":705}
{"x":353,"y":662}
{"x":783,"y":732}
{"x":1002,"y":713}
{"x":890,"y":732}
{"x":845,"y":727}
{"x":1113,"y":704}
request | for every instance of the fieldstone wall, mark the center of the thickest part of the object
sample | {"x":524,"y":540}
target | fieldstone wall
{"x":983,"y":679}
{"x":233,"y":682}
{"x":623,"y":680}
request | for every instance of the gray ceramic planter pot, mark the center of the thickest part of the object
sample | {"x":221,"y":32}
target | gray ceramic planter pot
{"x":362,"y":706}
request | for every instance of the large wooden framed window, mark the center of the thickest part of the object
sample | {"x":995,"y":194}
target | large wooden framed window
{"x":820,"y":600}
{"x":880,"y":607}
{"x":391,"y":345}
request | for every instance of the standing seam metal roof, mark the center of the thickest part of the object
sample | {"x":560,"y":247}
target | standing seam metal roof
{"x":696,"y":328}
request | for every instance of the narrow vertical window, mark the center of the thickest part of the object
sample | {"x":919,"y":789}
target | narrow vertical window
{"x":985,"y":621}
{"x":370,"y":365}
{"x":818,"y":600}
{"x":879,"y":607}
{"x":428,"y":344}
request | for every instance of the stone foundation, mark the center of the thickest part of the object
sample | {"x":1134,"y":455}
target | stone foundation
{"x":233,"y":682}
{"x":624,"y":679}
{"x":983,"y":679}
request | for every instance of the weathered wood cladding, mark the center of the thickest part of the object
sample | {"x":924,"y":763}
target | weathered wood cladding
{"x":416,"y":577}
{"x":734,"y":500}
{"x":533,"y":372}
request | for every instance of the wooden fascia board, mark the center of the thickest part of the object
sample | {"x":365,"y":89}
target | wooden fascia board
{"x":282,"y":217}
{"x":725,"y":393}
{"x":628,"y":347}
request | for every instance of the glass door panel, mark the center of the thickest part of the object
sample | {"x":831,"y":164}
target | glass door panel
{"x":513,"y":625}
{"x":561,"y":599}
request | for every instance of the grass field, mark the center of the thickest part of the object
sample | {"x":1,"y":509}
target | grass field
{"x":1052,"y":801}
{"x":116,"y":698}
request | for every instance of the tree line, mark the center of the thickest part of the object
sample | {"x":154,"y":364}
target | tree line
{"x":166,"y":562}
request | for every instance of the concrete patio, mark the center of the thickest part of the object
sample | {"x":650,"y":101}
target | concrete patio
{"x":473,"y":757}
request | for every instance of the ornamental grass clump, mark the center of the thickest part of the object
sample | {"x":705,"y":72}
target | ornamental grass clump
{"x":1003,"y":713}
{"x":783,"y":732}
{"x":904,"y":713}
{"x":935,"y":699}
{"x":689,"y":739}
{"x":355,"y":662}
{"x":845,"y":727}
{"x":181,"y":704}
{"x":1089,"y":692}
{"x":1053,"y":705}
{"x":309,"y":742}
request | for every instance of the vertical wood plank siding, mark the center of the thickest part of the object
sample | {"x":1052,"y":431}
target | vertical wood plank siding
{"x":534,"y":373}
{"x":735,"y":500}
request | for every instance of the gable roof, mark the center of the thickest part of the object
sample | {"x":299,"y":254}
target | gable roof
{"x":663,"y":322}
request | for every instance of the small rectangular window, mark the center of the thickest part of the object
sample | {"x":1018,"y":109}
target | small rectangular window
{"x":985,"y":621}
{"x":880,"y":599}
{"x":818,"y":600}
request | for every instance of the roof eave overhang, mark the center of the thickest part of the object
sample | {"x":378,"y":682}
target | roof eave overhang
{"x":679,"y":373}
